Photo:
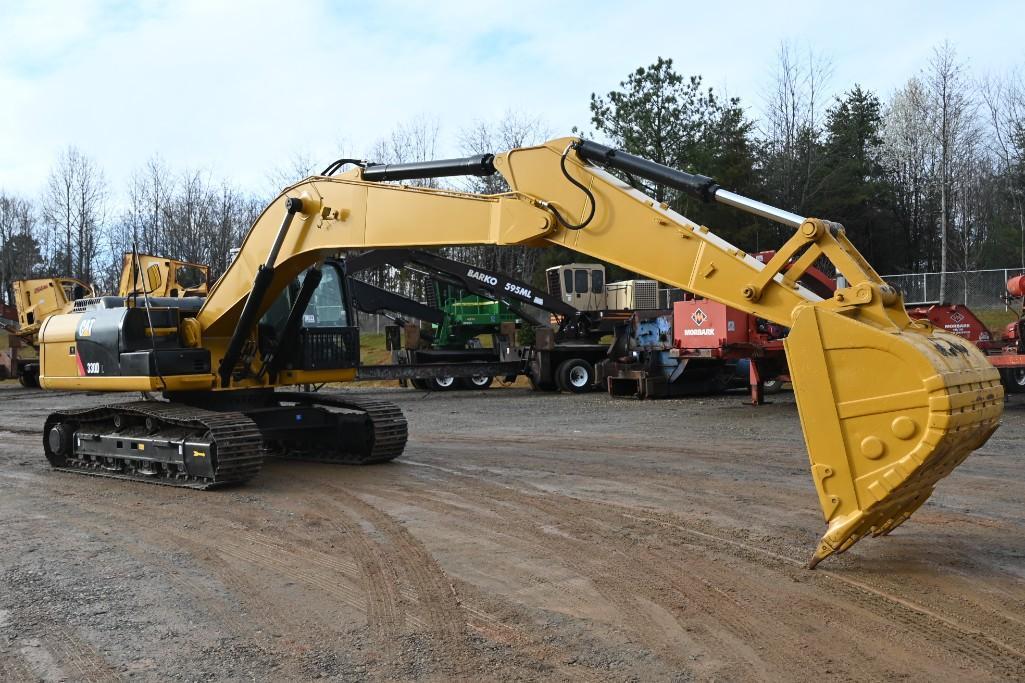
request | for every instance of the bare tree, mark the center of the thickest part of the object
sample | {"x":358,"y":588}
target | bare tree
{"x":416,"y":140}
{"x":511,"y":131}
{"x":952,"y":109}
{"x":792,"y":124}
{"x":19,"y":251}
{"x":74,"y":209}
{"x":299,"y":166}
{"x":907,"y":154}
{"x":1005,"y":107}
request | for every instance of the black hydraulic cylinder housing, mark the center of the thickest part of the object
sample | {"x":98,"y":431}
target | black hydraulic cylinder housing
{"x":481,"y":164}
{"x":699,"y":186}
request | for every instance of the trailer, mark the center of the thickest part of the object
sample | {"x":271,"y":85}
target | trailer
{"x":700,"y":346}
{"x":433,"y":362}
{"x":696,"y":348}
{"x":1005,"y":351}
{"x":567,"y":341}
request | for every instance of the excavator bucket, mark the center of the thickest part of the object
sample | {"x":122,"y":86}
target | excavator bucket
{"x":886,"y":414}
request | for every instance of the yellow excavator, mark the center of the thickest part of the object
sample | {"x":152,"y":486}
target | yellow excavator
{"x":888,"y":405}
{"x":167,"y":277}
{"x":39,"y":298}
{"x":36,"y":300}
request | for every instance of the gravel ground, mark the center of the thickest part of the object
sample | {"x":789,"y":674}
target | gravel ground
{"x":521,"y":537}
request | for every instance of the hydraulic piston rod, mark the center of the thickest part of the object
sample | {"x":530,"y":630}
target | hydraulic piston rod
{"x":702,"y":187}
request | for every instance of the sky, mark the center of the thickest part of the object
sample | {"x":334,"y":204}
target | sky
{"x":239,"y":89}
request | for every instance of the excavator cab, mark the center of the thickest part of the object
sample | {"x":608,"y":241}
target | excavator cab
{"x":309,"y":325}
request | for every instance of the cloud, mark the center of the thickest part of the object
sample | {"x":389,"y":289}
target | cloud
{"x":242,"y":88}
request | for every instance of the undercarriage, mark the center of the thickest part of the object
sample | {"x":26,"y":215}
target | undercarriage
{"x":204,"y":443}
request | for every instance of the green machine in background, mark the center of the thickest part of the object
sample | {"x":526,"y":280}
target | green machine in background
{"x":467,"y":316}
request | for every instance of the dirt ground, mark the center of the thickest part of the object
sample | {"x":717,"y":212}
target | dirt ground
{"x":521,"y":537}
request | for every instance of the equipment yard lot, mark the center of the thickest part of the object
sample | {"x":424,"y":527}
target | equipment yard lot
{"x":521,"y":536}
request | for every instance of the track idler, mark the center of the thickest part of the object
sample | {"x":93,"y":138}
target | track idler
{"x":886,"y":413}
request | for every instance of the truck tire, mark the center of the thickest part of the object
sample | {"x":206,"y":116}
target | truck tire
{"x":476,"y":382}
{"x":1013,"y":380}
{"x":575,"y":376}
{"x":28,"y":379}
{"x":420,"y":384}
{"x":441,"y":383}
{"x":772,"y":386}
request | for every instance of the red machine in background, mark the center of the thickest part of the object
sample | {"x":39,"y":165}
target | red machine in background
{"x":1005,"y":352}
{"x":957,"y":319}
{"x":707,"y":329}
{"x":698,"y":347}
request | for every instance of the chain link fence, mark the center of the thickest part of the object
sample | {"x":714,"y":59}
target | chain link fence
{"x":976,"y":289}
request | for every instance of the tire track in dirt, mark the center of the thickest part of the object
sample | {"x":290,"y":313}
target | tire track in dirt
{"x":385,"y":602}
{"x":432,"y":603}
{"x":983,"y":615}
{"x":259,"y":624}
{"x":14,"y":669}
{"x":398,"y":557}
{"x":992,"y":620}
{"x":222,"y":548}
{"x":437,"y":603}
{"x":938,"y":630}
{"x":977,"y":647}
{"x":447,"y":611}
{"x":90,"y":665}
{"x":59,"y":652}
{"x":648,"y":597}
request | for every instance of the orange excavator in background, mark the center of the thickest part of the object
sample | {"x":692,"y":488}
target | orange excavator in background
{"x":889,"y":405}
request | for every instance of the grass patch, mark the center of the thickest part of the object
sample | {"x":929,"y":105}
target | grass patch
{"x":996,"y":320}
{"x":372,"y":350}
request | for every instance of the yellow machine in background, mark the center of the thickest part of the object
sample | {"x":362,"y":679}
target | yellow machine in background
{"x":888,"y":405}
{"x":159,"y":276}
{"x":36,"y":300}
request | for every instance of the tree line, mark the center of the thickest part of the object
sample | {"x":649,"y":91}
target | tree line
{"x":931,"y":177}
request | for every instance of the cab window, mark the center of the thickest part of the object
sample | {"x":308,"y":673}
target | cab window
{"x":567,"y":281}
{"x":581,"y":281}
{"x":326,"y":307}
{"x":597,"y":281}
{"x":189,"y":277}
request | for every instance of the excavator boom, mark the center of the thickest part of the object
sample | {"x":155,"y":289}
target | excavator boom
{"x":888,"y":405}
